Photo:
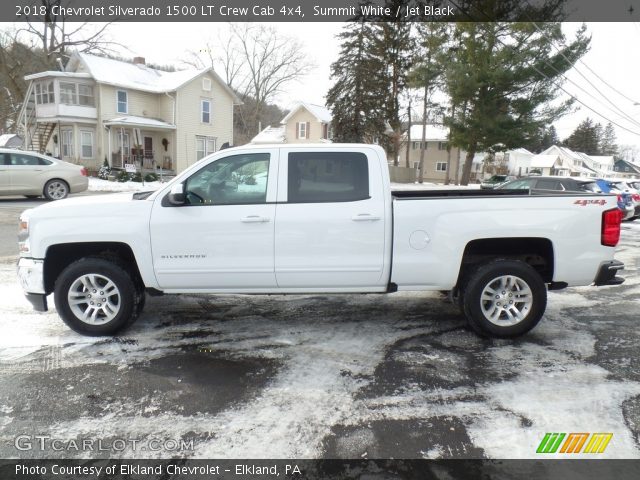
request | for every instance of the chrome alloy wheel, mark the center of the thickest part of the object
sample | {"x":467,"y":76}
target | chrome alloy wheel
{"x":94,"y":299}
{"x":56,"y":190}
{"x":506,"y":300}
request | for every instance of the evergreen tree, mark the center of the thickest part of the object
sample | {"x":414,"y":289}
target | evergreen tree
{"x":504,"y":77}
{"x":357,"y":96}
{"x":608,"y":142}
{"x":585,"y":138}
{"x":427,"y":75}
{"x":393,"y":49}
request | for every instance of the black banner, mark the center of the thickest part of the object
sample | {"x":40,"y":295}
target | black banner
{"x":320,"y":11}
{"x":318,"y":469}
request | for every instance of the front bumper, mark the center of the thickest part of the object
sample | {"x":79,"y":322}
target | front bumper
{"x":31,"y":278}
{"x":607,"y":273}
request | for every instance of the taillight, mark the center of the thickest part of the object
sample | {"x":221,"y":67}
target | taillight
{"x":619,"y":198}
{"x":84,"y":172}
{"x":636,"y":197}
{"x":611,"y":227}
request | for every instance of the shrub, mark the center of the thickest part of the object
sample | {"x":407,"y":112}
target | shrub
{"x":151,"y":177}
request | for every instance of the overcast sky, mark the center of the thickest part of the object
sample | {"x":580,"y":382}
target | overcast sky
{"x":614,"y":57}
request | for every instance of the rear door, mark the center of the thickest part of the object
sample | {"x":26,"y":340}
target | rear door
{"x":330,"y":219}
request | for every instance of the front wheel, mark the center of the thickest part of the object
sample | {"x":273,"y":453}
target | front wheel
{"x":504,"y":299}
{"x":95,"y":296}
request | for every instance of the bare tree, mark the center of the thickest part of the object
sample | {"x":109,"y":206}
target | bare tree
{"x":55,"y":36}
{"x":257,"y":62}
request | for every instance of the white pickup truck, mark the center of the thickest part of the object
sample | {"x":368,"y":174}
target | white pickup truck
{"x":292,"y":219}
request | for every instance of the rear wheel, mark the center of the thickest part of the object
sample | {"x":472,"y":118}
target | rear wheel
{"x":56,"y":189}
{"x":504,"y":298}
{"x":96,"y":297}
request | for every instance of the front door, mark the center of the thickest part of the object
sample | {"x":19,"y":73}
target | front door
{"x":148,"y":147}
{"x":223,"y":237}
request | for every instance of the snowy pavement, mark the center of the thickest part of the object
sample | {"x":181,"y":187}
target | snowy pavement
{"x":352,"y":376}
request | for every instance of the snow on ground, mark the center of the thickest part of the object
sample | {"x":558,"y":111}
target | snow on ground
{"x":99,"y":185}
{"x":330,"y":351}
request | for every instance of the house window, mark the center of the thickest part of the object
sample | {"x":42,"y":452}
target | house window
{"x":67,"y":143}
{"x":122,"y":101}
{"x":85,"y":95}
{"x":205,"y":111}
{"x":416,"y":165}
{"x":441,"y":166}
{"x":68,"y":93}
{"x":206,"y":84}
{"x":442,"y":145}
{"x":86,"y":144}
{"x":44,"y":93}
{"x":302,"y":130}
{"x":204,"y":146}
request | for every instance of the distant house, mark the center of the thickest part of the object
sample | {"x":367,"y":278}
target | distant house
{"x":626,"y":169}
{"x":100,"y":108}
{"x":305,"y":123}
{"x":436,"y":155}
{"x":10,"y":140}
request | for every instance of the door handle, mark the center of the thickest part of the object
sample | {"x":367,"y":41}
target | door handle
{"x":254,"y":219}
{"x":365,"y":217}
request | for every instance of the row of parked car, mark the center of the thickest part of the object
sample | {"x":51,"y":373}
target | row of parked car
{"x":627,"y":191}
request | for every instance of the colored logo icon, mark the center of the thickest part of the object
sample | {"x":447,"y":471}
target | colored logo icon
{"x":574,"y":443}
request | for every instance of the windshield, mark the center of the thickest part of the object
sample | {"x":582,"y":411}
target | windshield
{"x":497,"y":178}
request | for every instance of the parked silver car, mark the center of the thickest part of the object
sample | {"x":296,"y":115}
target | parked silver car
{"x":35,"y":175}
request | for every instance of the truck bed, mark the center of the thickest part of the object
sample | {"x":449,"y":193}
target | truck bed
{"x":456,"y":193}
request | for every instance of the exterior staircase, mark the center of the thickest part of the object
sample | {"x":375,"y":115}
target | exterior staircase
{"x":36,"y":134}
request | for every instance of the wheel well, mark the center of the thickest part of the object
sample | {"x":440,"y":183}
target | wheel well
{"x":537,"y":252}
{"x":59,"y":257}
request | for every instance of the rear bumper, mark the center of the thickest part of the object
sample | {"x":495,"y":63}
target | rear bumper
{"x":607,"y":273}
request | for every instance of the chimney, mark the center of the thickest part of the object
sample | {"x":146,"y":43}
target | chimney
{"x":138,"y":61}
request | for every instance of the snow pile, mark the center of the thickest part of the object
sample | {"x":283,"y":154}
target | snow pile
{"x":99,"y":185}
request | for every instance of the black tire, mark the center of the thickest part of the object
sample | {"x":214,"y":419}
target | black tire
{"x":500,"y":316}
{"x":56,"y":189}
{"x":118,"y":312}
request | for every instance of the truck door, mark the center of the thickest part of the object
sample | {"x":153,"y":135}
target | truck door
{"x":330,"y":219}
{"x":223,"y":237}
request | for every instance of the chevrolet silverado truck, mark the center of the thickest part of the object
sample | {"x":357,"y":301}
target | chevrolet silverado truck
{"x":299,"y":219}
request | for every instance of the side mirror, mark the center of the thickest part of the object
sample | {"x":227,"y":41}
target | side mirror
{"x":176,"y":195}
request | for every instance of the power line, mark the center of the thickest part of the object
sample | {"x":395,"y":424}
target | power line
{"x":626,"y":115}
{"x":550,"y":79}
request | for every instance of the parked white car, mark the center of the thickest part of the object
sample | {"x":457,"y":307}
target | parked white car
{"x":34,"y":175}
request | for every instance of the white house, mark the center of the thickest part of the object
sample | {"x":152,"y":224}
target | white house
{"x":305,"y":123}
{"x":100,"y":108}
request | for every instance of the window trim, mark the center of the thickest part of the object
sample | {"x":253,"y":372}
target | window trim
{"x":82,"y":145}
{"x":206,"y":84}
{"x":300,"y":130}
{"x":74,"y":98}
{"x":207,"y":139}
{"x":126,"y":101}
{"x":70,"y":144}
{"x":441,"y":163}
{"x":202,"y":112}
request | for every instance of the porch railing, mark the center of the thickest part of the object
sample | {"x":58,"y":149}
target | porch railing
{"x":149,"y":161}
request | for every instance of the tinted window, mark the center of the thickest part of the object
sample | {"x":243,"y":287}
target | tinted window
{"x":328,"y":177}
{"x":522,"y":184}
{"x":546,"y":184}
{"x":24,"y":159}
{"x":5,"y":159}
{"x":239,"y":179}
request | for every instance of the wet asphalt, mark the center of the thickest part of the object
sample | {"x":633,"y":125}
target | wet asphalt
{"x":369,"y":376}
